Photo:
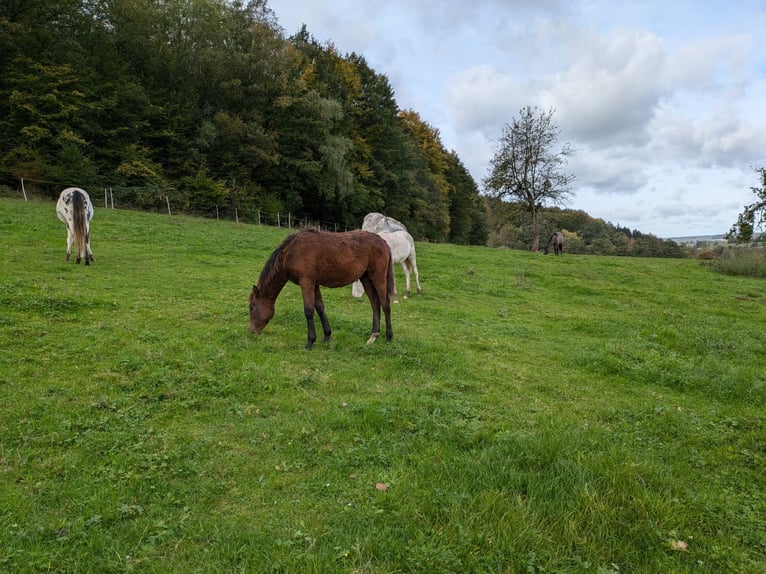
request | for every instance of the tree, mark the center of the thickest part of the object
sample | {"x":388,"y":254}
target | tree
{"x":754,"y":215}
{"x":431,"y":205}
{"x":526,"y":167}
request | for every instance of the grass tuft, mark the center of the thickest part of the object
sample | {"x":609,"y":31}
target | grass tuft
{"x":741,"y":262}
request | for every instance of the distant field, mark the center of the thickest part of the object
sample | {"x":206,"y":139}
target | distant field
{"x":532,"y":413}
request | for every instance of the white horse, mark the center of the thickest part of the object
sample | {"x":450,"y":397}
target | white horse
{"x":75,"y":209}
{"x":402,"y":248}
{"x":377,"y":222}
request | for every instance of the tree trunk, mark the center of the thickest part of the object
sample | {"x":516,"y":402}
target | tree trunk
{"x":535,"y":231}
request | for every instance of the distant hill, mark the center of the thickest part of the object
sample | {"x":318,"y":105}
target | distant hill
{"x":694,"y":239}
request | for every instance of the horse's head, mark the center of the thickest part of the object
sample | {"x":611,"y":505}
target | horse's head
{"x":261,"y":311}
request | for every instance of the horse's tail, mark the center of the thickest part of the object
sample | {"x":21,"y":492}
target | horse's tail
{"x":79,"y":224}
{"x":390,"y":275}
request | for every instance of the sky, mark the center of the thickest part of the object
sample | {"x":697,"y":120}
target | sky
{"x":664,"y":103}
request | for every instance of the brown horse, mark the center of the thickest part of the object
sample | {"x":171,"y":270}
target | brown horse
{"x":312,"y":258}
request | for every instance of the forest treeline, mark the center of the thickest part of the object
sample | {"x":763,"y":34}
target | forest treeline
{"x":209,"y":104}
{"x":208,"y":101}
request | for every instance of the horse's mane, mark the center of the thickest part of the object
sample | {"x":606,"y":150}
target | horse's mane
{"x":550,"y":240}
{"x":274,"y":263}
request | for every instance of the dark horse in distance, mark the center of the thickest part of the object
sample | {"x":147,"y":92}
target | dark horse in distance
{"x":311,"y":258}
{"x":557,"y":241}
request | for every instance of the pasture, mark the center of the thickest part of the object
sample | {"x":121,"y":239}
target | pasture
{"x":531,"y":414}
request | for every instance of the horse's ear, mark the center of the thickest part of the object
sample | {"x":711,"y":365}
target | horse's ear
{"x":255,"y":290}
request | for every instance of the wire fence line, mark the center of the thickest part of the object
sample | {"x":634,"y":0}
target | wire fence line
{"x":151,"y":198}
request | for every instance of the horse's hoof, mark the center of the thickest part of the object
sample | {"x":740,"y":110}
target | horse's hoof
{"x":372,"y":338}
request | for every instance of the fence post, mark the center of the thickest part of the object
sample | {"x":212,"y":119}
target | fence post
{"x":23,"y":191}
{"x":259,"y":217}
{"x":278,"y":223}
{"x":236,"y":215}
{"x":167,"y":199}
{"x":111,"y":196}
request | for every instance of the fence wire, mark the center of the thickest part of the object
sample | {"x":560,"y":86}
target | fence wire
{"x":152,"y":199}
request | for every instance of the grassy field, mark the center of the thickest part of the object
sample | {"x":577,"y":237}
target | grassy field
{"x":532,"y":414}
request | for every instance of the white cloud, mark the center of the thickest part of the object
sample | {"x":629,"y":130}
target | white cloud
{"x":709,"y":64}
{"x":484,"y":99}
{"x":609,"y":95}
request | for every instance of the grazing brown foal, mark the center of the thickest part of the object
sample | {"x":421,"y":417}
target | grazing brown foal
{"x":313,"y":258}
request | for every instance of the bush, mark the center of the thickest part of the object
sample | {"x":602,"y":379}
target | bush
{"x":742,"y":262}
{"x":706,"y":255}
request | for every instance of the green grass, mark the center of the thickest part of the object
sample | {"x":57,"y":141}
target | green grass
{"x":532,"y":414}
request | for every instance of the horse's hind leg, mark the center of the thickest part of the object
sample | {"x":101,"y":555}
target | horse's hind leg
{"x":395,"y":295}
{"x":372,"y":295}
{"x":406,"y":269}
{"x":69,"y":241}
{"x":308,"y":292}
{"x":88,"y":253}
{"x":379,"y":289}
{"x":415,"y":272}
{"x":357,"y":290}
{"x":319,"y":306}
{"x":386,"y":304}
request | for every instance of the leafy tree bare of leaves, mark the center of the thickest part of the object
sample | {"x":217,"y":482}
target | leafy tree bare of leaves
{"x":527,"y":168}
{"x":753,"y":216}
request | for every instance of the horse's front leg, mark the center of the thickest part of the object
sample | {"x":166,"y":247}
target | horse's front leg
{"x":307,"y":290}
{"x":319,"y":306}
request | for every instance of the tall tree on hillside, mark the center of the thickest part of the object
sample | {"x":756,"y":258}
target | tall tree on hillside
{"x":754,"y":215}
{"x":528,"y":168}
{"x":468,"y":220}
{"x":430,"y":205}
{"x":389,"y":160}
